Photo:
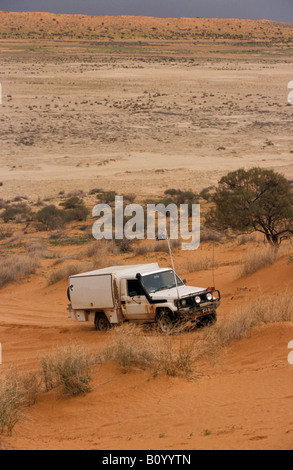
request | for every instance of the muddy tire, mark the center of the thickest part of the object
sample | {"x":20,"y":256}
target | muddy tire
{"x":102,"y":322}
{"x":165,"y":322}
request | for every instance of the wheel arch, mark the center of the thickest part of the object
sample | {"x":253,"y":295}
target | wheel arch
{"x":164,"y":311}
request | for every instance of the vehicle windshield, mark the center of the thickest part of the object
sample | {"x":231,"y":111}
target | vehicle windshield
{"x":160,"y":281}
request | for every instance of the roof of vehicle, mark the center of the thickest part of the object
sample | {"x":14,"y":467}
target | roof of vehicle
{"x":122,"y":271}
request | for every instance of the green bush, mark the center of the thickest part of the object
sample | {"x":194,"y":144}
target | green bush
{"x":22,"y":211}
{"x":53,"y":218}
{"x":72,"y":203}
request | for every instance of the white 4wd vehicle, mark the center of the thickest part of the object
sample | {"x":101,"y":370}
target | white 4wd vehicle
{"x":142,"y":293}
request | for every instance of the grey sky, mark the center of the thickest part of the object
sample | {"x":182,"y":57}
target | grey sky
{"x":279,"y":10}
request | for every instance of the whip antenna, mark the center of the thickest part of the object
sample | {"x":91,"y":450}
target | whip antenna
{"x":164,"y":236}
{"x":213,"y":266}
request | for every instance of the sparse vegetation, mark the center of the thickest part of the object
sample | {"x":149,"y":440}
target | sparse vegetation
{"x":133,"y":347}
{"x":53,"y":218}
{"x":66,"y":270}
{"x":200,"y":264}
{"x":69,"y":367}
{"x":15,"y":268}
{"x":17,"y":391}
{"x":256,"y":259}
{"x":265,"y":309}
{"x":188,"y":29}
{"x":16,"y":212}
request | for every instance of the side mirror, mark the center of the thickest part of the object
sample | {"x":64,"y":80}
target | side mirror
{"x":184,"y":281}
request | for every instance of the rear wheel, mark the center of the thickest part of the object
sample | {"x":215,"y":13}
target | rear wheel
{"x":102,"y":323}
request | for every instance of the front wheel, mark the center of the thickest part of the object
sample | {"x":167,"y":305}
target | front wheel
{"x":165,"y":322}
{"x":102,"y":323}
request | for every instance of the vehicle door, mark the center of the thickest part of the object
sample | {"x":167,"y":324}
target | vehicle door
{"x":135,"y":305}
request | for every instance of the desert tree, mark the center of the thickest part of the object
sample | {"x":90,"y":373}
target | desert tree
{"x":254,"y":200}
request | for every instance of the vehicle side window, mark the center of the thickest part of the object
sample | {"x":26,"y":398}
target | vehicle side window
{"x":134,"y":288}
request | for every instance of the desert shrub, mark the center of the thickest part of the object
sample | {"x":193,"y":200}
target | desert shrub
{"x":142,"y":249}
{"x":79,"y":214}
{"x":129,"y":198}
{"x":63,"y":272}
{"x":37,"y":248}
{"x":209,"y":235}
{"x":5,"y":232}
{"x":91,"y":250}
{"x":72,"y":202}
{"x":95,"y":191}
{"x":11,"y":403}
{"x":177,"y":196}
{"x":75,"y":193}
{"x":272,"y":309}
{"x":251,"y":237}
{"x":17,"y":391}
{"x":175,"y":358}
{"x":100,"y":252}
{"x":124,"y":246}
{"x":206,"y":194}
{"x":21,"y":210}
{"x":51,"y":217}
{"x":132,"y":348}
{"x":265,"y":309}
{"x":107,"y":197}
{"x":200,"y":264}
{"x":69,"y":367}
{"x":163,"y":247}
{"x":75,"y":209}
{"x":15,"y":268}
{"x":257,"y":259}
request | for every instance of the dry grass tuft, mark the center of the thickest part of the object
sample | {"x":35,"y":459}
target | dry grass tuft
{"x":14,"y":268}
{"x":69,"y":367}
{"x":132,"y":347}
{"x":17,"y":391}
{"x":200,"y":264}
{"x":257,"y":259}
{"x":66,"y":270}
{"x":264,"y":310}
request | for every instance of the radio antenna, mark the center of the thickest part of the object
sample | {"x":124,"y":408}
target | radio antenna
{"x":172,"y":261}
{"x":164,"y":236}
{"x":214,"y":285}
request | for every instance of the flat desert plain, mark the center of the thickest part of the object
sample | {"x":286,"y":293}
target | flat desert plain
{"x":140,"y":117}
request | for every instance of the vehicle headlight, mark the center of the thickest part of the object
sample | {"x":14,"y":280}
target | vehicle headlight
{"x":197,"y":299}
{"x":183,"y":303}
{"x":209,"y":297}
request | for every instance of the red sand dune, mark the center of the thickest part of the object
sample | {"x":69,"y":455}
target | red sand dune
{"x":244,"y":401}
{"x":49,"y":25}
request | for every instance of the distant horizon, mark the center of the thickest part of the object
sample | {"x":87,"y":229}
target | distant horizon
{"x":270,"y":10}
{"x":148,"y":16}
